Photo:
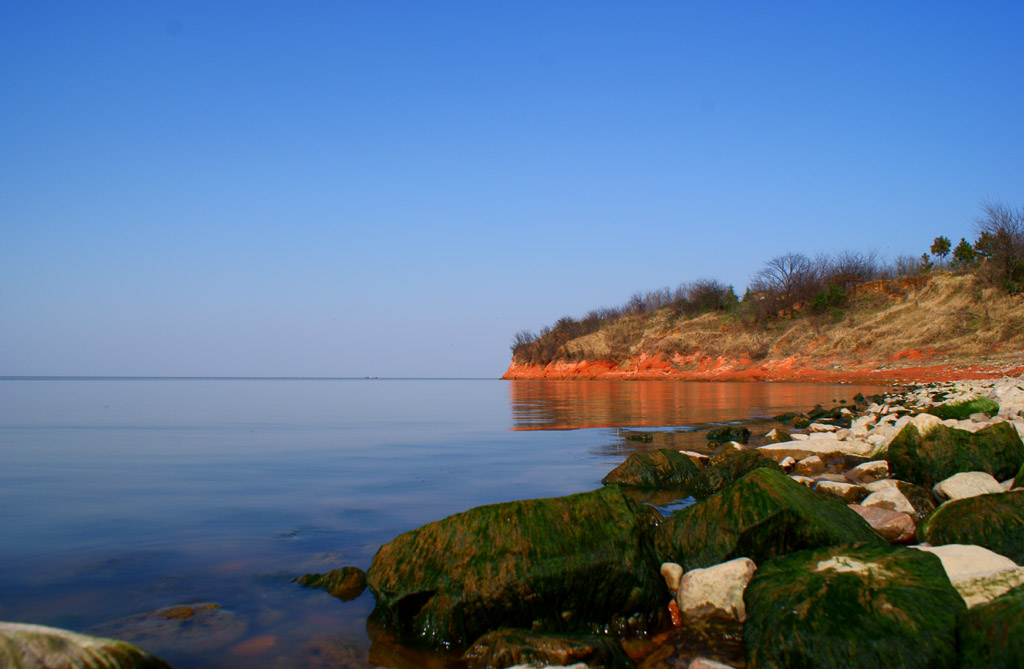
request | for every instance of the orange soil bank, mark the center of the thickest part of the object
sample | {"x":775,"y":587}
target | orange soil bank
{"x":904,"y":367}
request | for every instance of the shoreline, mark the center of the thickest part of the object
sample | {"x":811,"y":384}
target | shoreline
{"x":697,"y":367}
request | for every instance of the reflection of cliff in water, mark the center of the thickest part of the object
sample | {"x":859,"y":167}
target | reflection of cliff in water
{"x":567,"y":405}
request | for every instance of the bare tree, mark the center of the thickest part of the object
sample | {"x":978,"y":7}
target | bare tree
{"x":1001,"y":240}
{"x":787,"y":278}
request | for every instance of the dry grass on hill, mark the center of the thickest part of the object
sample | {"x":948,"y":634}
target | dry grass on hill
{"x":953,"y":315}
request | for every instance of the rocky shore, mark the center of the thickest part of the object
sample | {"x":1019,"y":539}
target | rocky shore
{"x":888,"y":531}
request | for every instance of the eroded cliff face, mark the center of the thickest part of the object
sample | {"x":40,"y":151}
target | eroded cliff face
{"x":942,"y":327}
{"x":906,"y":366}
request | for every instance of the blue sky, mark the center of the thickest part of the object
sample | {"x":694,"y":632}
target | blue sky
{"x":396,"y":188}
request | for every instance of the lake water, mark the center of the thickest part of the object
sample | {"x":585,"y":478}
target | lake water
{"x":122,"y":496}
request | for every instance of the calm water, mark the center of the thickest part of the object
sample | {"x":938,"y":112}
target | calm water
{"x":120,"y":496}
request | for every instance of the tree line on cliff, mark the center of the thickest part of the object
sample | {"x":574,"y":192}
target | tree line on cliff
{"x":794,"y":284}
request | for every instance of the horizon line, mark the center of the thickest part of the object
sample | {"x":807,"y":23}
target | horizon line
{"x":86,"y":377}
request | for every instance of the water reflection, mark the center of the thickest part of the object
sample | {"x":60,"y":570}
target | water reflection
{"x":569,"y":405}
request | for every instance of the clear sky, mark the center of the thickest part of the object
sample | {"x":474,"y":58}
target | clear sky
{"x":395,"y":188}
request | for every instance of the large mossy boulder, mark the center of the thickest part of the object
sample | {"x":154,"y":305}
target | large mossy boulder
{"x":965,"y":409}
{"x":991,"y":635}
{"x":763,"y":515}
{"x":564,"y":564}
{"x":943,"y":452}
{"x":852,"y":606}
{"x":993,"y":521}
{"x":32,"y":646}
{"x":515,"y":647}
{"x":658,"y":468}
{"x":727,"y":468}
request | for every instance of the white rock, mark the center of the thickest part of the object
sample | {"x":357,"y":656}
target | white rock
{"x":894,"y":526}
{"x":705,"y":663}
{"x":672,"y":573}
{"x":967,"y":484}
{"x":821,"y":427}
{"x":716,"y":591}
{"x":881,"y":484}
{"x":864,"y":422}
{"x":902,"y":423}
{"x":787,"y":463}
{"x":925,"y":422}
{"x":963,"y":562}
{"x":890,"y":498}
{"x":799,"y":437}
{"x":810,"y":466}
{"x":803,"y":480}
{"x":866,"y":472}
{"x":825,"y":448}
{"x":847,"y":491}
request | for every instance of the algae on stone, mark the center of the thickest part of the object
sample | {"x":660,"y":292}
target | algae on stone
{"x":345,"y":583}
{"x":33,"y":646}
{"x":762,"y":515}
{"x":944,"y":451}
{"x":852,"y":607}
{"x":991,"y":635}
{"x":729,"y":433}
{"x":965,"y":409}
{"x":726,"y":468}
{"x":565,"y":564}
{"x":658,"y":468}
{"x":995,"y":522}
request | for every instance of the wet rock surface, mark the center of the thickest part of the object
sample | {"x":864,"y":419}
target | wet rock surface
{"x":869,"y":606}
{"x":193,"y":628}
{"x":32,"y":646}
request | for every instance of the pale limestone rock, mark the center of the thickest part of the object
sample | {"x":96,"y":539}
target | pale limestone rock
{"x":890,"y":498}
{"x":787,"y":463}
{"x":986,"y":588}
{"x":863,"y":422}
{"x":705,"y":663}
{"x":881,"y":484}
{"x":902,"y":423}
{"x":925,"y":422}
{"x":810,"y":466}
{"x":716,"y":591}
{"x":967,"y":484}
{"x":699,"y":459}
{"x":843,"y":434}
{"x":803,"y":480}
{"x":672,"y":573}
{"x":24,"y":645}
{"x":1007,"y":486}
{"x":798,"y":437}
{"x":964,"y":562}
{"x":824,"y":445}
{"x":896,"y":527}
{"x":821,"y":427}
{"x":867,"y":472}
{"x":848,"y":491}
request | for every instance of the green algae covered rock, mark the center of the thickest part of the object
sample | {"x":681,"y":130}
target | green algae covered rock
{"x":993,"y":521}
{"x":345,"y":583}
{"x":729,"y":433}
{"x":509,"y":647}
{"x":944,"y":451}
{"x":726,"y":468}
{"x":32,"y":646}
{"x":658,"y":468}
{"x":850,"y":607}
{"x":991,"y":635}
{"x":760,"y":516}
{"x":564,"y":564}
{"x":965,"y":409}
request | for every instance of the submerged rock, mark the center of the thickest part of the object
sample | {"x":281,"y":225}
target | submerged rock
{"x":564,"y":564}
{"x":992,"y":635}
{"x":851,"y":607}
{"x":508,"y":647}
{"x":943,"y":452}
{"x":763,"y":515}
{"x":658,"y":468}
{"x":31,"y":646}
{"x":345,"y":583}
{"x":192,"y":628}
{"x":993,"y":521}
